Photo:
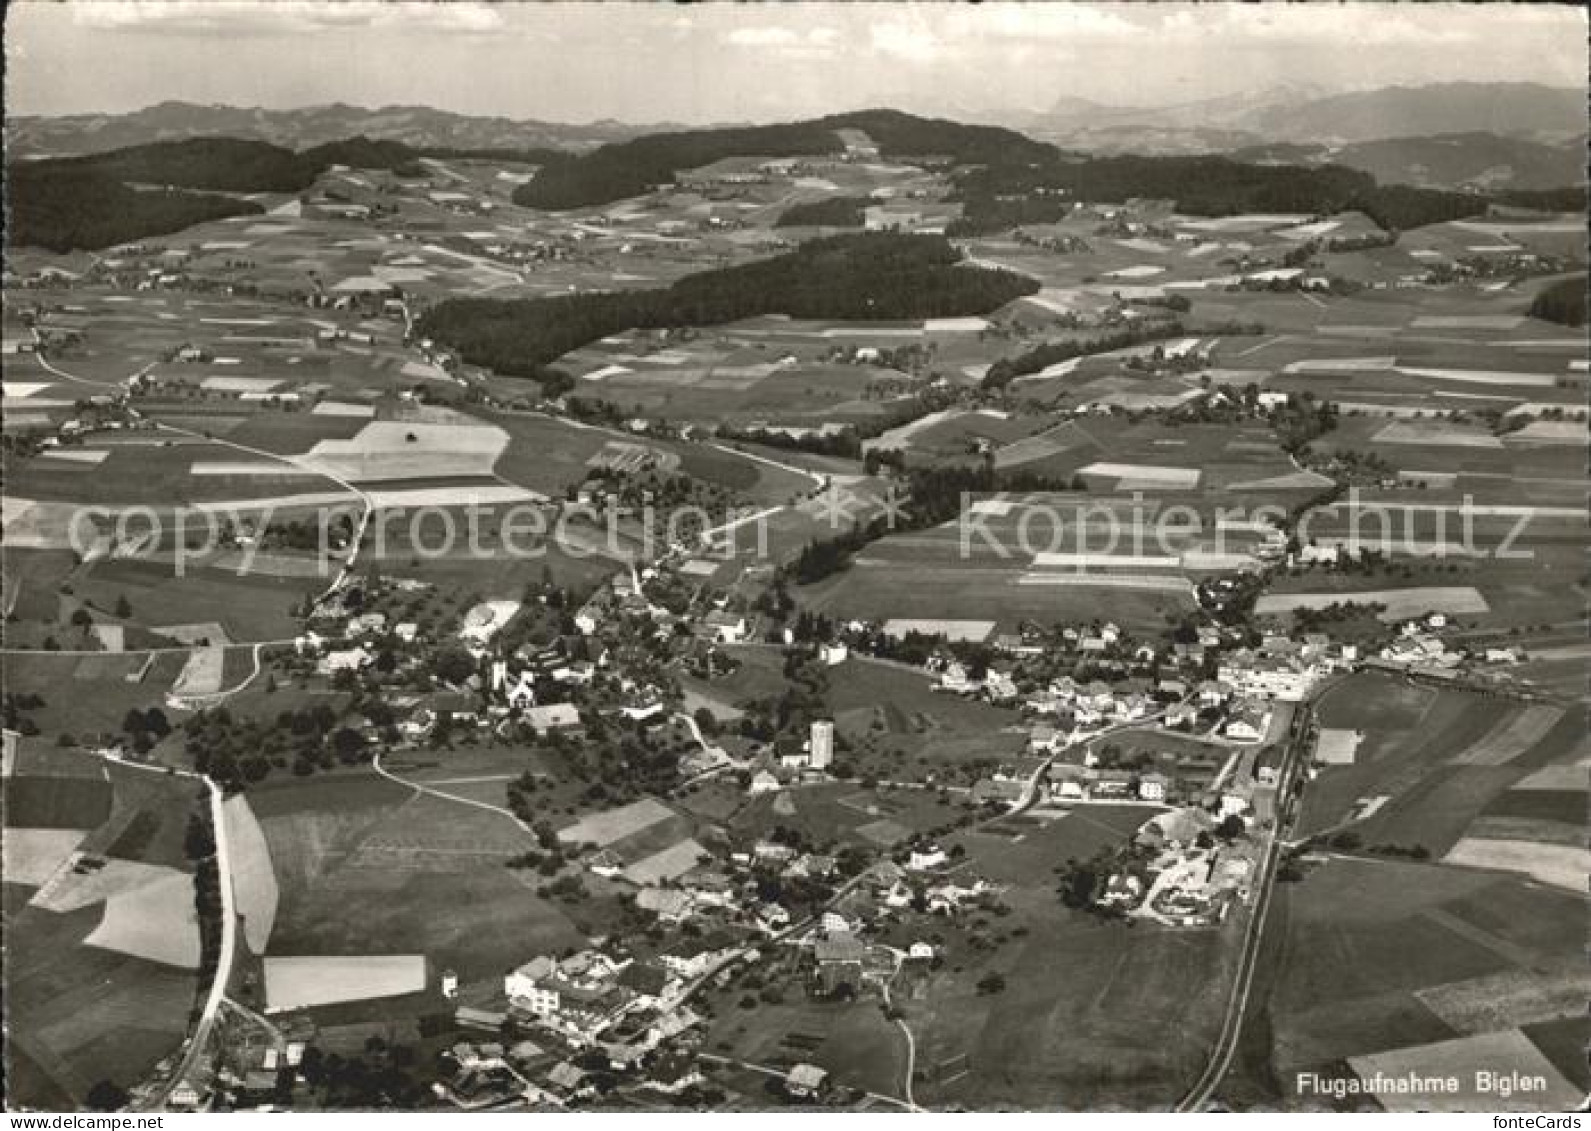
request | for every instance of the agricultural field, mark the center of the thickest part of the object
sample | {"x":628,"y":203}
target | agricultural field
{"x":427,"y":873}
{"x":1535,"y":828}
{"x":103,"y":939}
{"x":1373,"y":962}
{"x":894,"y":581}
{"x":1428,"y":762}
{"x":1139,"y":462}
{"x":1065,"y":1033}
{"x":842,"y":813}
{"x":87,"y":694}
{"x":849,"y":1039}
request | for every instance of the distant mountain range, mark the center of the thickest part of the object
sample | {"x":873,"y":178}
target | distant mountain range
{"x":1466,"y":160}
{"x":1304,"y":114}
{"x":1483,"y":135}
{"x":417,"y":126}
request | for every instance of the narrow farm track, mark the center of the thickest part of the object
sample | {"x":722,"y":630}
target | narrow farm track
{"x":375,"y":764}
{"x":911,"y":1042}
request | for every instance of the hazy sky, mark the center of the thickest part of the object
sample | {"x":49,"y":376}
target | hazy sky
{"x":577,"y":62}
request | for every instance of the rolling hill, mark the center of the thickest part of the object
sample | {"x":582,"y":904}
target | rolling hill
{"x":1468,"y":160}
{"x":417,"y":126}
{"x":629,"y":168}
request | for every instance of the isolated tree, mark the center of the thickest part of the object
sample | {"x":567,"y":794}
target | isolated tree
{"x":348,"y":743}
{"x":706,"y":721}
{"x":124,"y":608}
{"x":106,"y":1095}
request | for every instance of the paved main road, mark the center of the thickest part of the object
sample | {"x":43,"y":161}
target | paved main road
{"x":1242,"y":983}
{"x":200,"y":1039}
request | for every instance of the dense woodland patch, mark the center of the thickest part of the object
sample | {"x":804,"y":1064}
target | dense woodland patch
{"x":1564,"y":302}
{"x":874,"y":276}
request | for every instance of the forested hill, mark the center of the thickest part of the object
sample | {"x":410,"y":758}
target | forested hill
{"x":1005,"y":194}
{"x":864,"y":277}
{"x":229,"y":164}
{"x":629,"y":168}
{"x":100,"y":199}
{"x":68,"y":209}
{"x":1564,"y":302}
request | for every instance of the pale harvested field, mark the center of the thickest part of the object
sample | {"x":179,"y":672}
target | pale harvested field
{"x":301,"y":501}
{"x":31,"y":856}
{"x":33,"y":525}
{"x":73,"y":890}
{"x":301,"y":981}
{"x":1564,"y":775}
{"x":1467,"y":322}
{"x":253,"y":879}
{"x":1132,"y":474}
{"x":1506,"y":999}
{"x":1561,"y":865}
{"x":241,"y":384}
{"x":201,"y":675}
{"x":157,"y":922}
{"x":1341,"y":365}
{"x":1504,"y":1052}
{"x":1157,"y":583}
{"x":1550,"y":432}
{"x":470,"y":494}
{"x":603,"y":829}
{"x":392,"y":449}
{"x":22,"y":389}
{"x":1435,"y":433}
{"x":967,"y":630}
{"x":1292,"y":481}
{"x":86,"y":457}
{"x":261,"y":467}
{"x":1401,"y":604}
{"x":1059,"y":560}
{"x":343,"y":408}
{"x":1482,"y":376}
{"x":1512,"y":736}
{"x":1335,"y":746}
{"x":667,"y":864}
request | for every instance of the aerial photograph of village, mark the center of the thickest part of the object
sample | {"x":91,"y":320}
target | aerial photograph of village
{"x":878,"y":558}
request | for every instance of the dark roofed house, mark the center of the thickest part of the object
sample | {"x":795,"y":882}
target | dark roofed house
{"x":472,"y":1018}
